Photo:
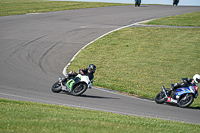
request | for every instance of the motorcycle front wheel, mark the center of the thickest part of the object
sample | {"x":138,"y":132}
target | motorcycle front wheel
{"x":56,"y":88}
{"x":185,"y":100}
{"x":79,"y":89}
{"x":160,"y":98}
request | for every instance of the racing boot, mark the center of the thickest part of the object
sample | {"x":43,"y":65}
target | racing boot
{"x":64,"y":88}
{"x":173,"y":95}
{"x":169,"y":91}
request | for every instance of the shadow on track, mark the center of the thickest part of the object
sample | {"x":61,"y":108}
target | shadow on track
{"x":198,"y":108}
{"x":87,"y":96}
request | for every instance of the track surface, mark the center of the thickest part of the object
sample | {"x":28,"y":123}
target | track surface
{"x":35,"y":48}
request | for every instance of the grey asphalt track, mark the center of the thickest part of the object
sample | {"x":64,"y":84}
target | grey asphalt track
{"x":34,"y":49}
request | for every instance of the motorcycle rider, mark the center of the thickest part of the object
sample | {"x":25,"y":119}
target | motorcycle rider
{"x":85,"y":71}
{"x":137,"y":2}
{"x":175,"y":2}
{"x":186,"y":82}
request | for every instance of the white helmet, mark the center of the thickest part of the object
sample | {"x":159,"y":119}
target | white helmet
{"x":196,"y":78}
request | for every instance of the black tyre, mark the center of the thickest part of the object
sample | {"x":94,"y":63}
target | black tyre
{"x":160,"y":98}
{"x":56,"y":88}
{"x":79,"y":89}
{"x":185,"y":100}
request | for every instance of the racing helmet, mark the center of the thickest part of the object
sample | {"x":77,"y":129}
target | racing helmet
{"x":196,"y":78}
{"x":92,"y":68}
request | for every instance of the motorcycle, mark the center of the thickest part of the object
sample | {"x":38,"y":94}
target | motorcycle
{"x":183,"y":96}
{"x":75,"y":86}
{"x":137,"y":2}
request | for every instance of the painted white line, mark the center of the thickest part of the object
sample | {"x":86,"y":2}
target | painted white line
{"x":32,"y":13}
{"x":75,"y":106}
{"x":65,"y":68}
{"x":83,"y":107}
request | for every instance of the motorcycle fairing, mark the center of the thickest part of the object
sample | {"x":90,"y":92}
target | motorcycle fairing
{"x":70,"y":84}
{"x":184,"y":90}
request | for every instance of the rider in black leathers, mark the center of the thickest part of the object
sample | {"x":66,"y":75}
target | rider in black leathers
{"x":137,"y":2}
{"x":175,"y":2}
{"x":186,"y":82}
{"x":85,"y":71}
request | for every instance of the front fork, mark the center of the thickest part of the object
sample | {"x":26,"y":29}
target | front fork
{"x":63,"y":86}
{"x":163,"y":89}
{"x":60,"y":80}
{"x":168,"y":99}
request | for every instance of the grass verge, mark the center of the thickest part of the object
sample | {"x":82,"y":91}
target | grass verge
{"x":19,"y":116}
{"x":189,"y":19}
{"x":139,"y":60}
{"x":16,"y":7}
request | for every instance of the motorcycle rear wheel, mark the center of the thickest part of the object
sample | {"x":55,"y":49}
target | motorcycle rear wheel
{"x":56,"y":88}
{"x":185,"y":101}
{"x":79,"y":89}
{"x":160,"y":98}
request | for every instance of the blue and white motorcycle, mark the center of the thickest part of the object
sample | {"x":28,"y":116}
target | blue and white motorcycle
{"x":183,"y":96}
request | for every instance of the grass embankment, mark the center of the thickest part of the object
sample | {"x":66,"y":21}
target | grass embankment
{"x":16,"y":7}
{"x":139,"y":60}
{"x":190,"y":19}
{"x":19,"y":117}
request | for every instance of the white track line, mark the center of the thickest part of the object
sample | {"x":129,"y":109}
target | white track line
{"x":111,"y":91}
{"x":75,"y":106}
{"x":65,"y":69}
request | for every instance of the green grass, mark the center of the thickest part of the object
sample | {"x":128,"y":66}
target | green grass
{"x":19,"y":117}
{"x":16,"y":7}
{"x":140,"y":60}
{"x":189,"y":19}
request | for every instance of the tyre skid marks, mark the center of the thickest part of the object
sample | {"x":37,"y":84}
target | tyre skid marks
{"x":43,"y":56}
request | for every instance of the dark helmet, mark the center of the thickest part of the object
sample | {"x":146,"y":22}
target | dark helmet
{"x":92,"y":68}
